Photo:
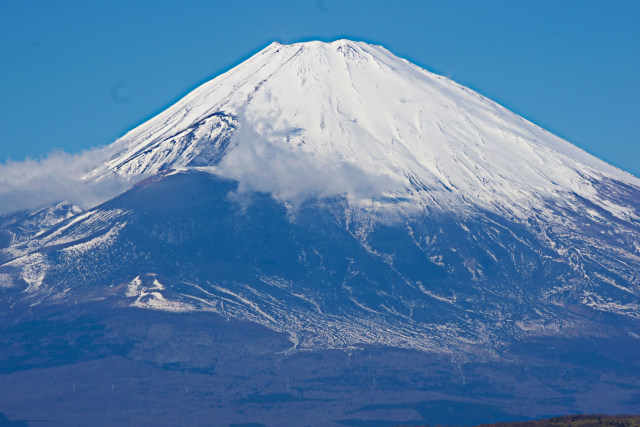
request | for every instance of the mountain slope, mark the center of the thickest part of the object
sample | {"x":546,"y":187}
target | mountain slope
{"x":473,"y":285}
{"x":344,"y":196}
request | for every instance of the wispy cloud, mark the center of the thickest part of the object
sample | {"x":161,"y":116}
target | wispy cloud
{"x":33,"y":183}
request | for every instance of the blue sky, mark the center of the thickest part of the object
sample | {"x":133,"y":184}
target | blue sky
{"x":79,"y":74}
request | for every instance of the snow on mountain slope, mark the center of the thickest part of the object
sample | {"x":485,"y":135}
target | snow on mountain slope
{"x":324,"y":119}
{"x":21,"y":227}
{"x":503,"y":231}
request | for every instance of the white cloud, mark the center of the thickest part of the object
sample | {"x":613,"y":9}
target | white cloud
{"x":33,"y":183}
{"x":265,"y":157}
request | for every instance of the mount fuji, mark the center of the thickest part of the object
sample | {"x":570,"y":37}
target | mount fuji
{"x":324,"y":219}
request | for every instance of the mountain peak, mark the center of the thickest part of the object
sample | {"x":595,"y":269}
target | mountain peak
{"x":349,"y":49}
{"x":318,"y":44}
{"x":347,"y":118}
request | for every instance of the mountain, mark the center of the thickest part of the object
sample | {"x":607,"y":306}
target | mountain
{"x":341,"y":200}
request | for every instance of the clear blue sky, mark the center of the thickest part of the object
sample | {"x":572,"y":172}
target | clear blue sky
{"x":79,"y":74}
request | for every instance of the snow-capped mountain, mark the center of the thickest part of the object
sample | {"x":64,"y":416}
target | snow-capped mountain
{"x":345,"y":196}
{"x":327,"y":235}
{"x":325,"y":119}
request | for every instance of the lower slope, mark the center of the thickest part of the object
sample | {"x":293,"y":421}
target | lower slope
{"x":332,"y":277}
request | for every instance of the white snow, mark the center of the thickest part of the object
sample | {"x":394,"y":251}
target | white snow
{"x":33,"y":269}
{"x":348,"y":118}
{"x":151,"y":297}
{"x":102,"y":241}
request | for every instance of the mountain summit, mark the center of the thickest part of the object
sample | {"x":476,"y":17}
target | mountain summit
{"x":349,"y":118}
